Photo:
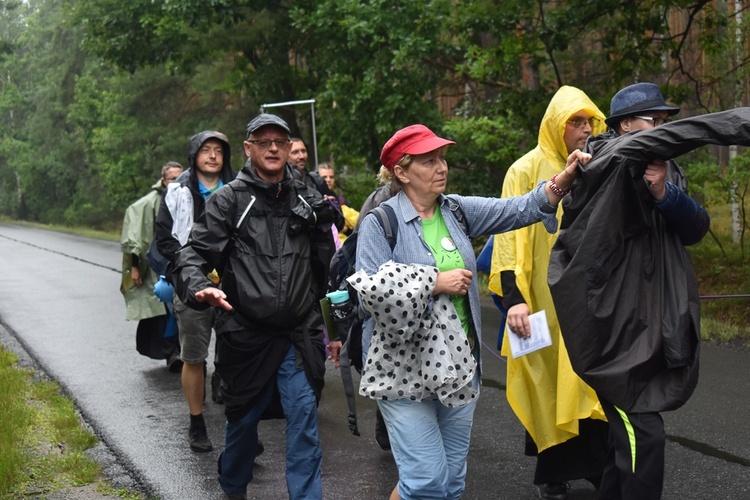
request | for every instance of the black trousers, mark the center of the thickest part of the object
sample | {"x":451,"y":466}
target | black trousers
{"x":634,"y":467}
{"x":582,"y":457}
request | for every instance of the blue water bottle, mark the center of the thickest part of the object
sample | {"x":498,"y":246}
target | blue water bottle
{"x":164,"y":290}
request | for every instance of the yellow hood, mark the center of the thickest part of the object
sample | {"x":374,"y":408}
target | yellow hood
{"x":565,"y":103}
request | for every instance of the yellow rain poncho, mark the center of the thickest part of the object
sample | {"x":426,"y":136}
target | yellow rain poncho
{"x":544,"y":392}
{"x":350,"y":219}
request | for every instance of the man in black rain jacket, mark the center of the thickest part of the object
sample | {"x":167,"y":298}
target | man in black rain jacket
{"x":209,"y":157}
{"x":269,"y":236}
{"x":620,"y":269}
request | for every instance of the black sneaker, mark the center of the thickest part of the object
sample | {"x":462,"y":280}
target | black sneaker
{"x":381,"y":431}
{"x":174,"y":363}
{"x":553,"y":491}
{"x":216,"y":395}
{"x":237,"y":496}
{"x":198,"y":438}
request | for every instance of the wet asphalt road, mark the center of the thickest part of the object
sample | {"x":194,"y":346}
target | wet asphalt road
{"x":60,"y":303}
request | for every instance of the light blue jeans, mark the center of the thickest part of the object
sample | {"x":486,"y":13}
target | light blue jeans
{"x":304,"y":456}
{"x":430,"y":443}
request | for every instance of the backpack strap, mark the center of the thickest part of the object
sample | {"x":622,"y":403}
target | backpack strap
{"x":235,"y":233}
{"x":348,"y":384}
{"x":387,"y":218}
{"x":458,"y":212}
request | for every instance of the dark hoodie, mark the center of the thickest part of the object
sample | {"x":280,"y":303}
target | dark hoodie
{"x":274,"y":273}
{"x":166,"y":243}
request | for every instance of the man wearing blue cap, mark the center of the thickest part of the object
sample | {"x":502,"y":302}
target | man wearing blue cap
{"x":269,"y":236}
{"x":620,"y":269}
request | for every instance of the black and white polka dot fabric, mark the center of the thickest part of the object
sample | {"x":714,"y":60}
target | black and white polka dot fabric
{"x":418,"y":347}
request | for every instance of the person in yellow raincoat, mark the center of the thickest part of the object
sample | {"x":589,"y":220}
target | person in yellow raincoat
{"x":561,"y":414}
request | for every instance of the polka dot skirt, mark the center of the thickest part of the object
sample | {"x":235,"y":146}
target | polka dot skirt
{"x":418,"y":346}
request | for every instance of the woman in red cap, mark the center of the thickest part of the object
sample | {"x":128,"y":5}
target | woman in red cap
{"x":423,"y":334}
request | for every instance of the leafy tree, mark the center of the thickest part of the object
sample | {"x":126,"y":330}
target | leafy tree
{"x":88,"y":130}
{"x":37,"y":142}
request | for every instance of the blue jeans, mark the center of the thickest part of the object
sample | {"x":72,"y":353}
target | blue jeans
{"x":303,"y":453}
{"x":430,"y":443}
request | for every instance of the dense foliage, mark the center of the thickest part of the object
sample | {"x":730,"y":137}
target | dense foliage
{"x":97,"y":94}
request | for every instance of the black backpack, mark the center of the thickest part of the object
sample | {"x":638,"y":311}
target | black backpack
{"x":342,"y":266}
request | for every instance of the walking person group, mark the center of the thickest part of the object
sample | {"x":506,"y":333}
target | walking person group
{"x":249,"y":257}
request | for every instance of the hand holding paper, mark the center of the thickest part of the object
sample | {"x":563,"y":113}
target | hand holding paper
{"x":539,"y":338}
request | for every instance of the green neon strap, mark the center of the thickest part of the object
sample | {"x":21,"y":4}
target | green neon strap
{"x":631,"y":435}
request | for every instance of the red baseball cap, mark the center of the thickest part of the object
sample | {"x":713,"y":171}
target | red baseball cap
{"x":412,"y":140}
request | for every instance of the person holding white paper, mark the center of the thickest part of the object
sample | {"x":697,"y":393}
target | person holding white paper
{"x":566,"y":425}
{"x":539,"y":336}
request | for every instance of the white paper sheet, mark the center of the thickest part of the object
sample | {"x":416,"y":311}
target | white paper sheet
{"x":540,"y":336}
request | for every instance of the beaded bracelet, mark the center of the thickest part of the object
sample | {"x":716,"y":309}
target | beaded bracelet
{"x":555,"y":188}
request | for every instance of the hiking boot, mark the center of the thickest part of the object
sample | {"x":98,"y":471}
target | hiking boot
{"x":198,"y":438}
{"x":174,"y":363}
{"x":235,"y":496}
{"x":381,"y":431}
{"x":553,"y":491}
{"x":216,"y":395}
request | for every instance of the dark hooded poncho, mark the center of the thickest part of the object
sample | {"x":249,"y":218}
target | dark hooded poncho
{"x":621,"y":280}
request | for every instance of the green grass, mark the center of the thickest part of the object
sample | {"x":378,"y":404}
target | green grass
{"x":42,"y":441}
{"x":16,"y":418}
{"x":723,"y":268}
{"x":80,"y":231}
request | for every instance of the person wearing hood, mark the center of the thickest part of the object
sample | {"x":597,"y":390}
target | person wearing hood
{"x":633,"y":331}
{"x":565,"y":424}
{"x":138,"y":278}
{"x":209,"y":169}
{"x":269,"y":236}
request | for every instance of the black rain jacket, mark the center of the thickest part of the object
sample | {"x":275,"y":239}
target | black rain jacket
{"x":274,"y":273}
{"x":622,"y":282}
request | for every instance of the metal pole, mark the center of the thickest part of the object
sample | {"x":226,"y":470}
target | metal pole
{"x":288,"y":103}
{"x":315,"y":139}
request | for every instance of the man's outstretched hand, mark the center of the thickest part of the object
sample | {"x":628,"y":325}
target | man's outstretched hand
{"x":215,"y":297}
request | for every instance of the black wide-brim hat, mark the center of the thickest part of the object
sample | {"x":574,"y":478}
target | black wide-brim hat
{"x":637,"y":98}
